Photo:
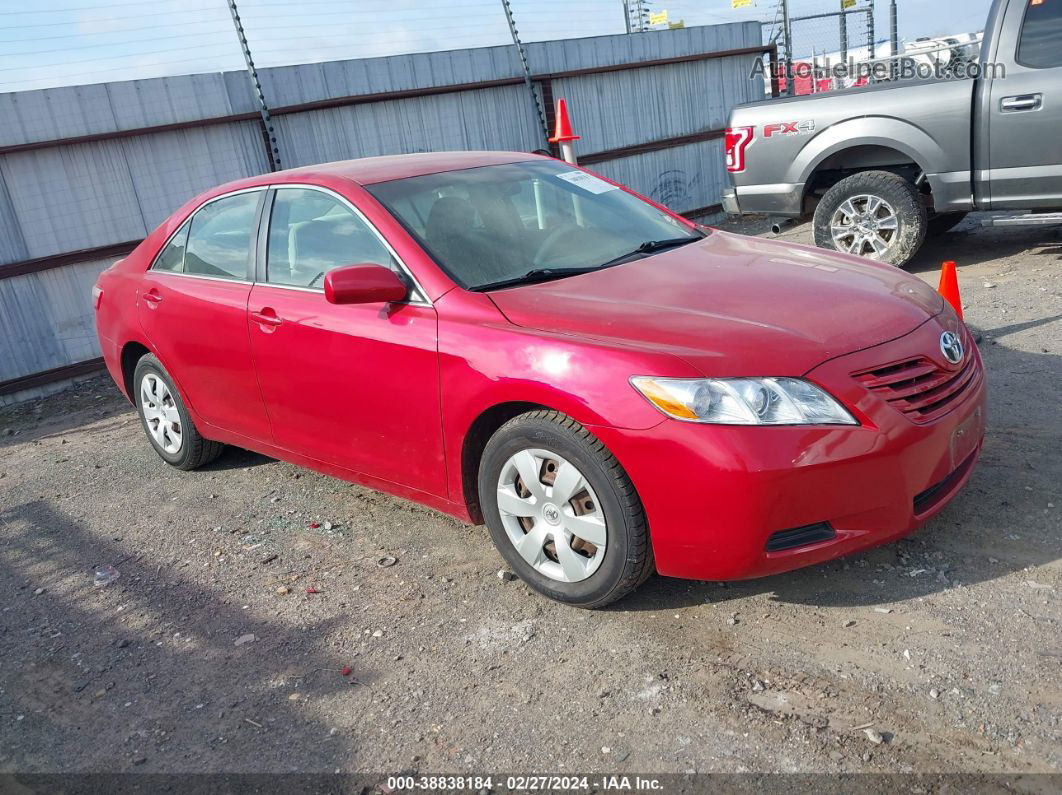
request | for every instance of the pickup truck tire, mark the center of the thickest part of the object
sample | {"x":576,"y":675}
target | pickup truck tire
{"x":945,"y":222}
{"x":874,"y":214}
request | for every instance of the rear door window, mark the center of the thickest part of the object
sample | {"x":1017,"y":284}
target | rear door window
{"x":171,"y":258}
{"x":219,"y":240}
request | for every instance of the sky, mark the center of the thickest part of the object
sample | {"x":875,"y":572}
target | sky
{"x":71,"y":42}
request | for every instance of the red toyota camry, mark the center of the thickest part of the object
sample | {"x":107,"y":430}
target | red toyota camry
{"x":516,"y":341}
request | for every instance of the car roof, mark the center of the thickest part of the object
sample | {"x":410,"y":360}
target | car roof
{"x":370,"y":170}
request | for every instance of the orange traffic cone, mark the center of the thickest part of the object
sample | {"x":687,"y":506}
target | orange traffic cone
{"x":949,"y":287}
{"x":563,"y":135}
{"x":563,"y":130}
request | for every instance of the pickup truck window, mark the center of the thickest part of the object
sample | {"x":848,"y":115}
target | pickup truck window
{"x":1040,"y":44}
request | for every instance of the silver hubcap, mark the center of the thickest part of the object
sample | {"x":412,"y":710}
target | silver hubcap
{"x":160,"y":413}
{"x":551,"y":515}
{"x":864,"y":225}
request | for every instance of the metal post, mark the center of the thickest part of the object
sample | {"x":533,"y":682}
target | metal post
{"x":843,"y":22}
{"x":787,"y":64}
{"x":527,"y":69}
{"x":639,"y":12}
{"x":870,"y":32}
{"x":774,"y":70}
{"x":894,"y":39}
{"x":627,"y":15}
{"x":263,"y":108}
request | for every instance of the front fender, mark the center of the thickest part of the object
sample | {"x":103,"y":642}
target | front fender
{"x":588,"y":381}
{"x":485,"y":362}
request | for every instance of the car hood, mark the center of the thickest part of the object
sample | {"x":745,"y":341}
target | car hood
{"x":732,"y":305}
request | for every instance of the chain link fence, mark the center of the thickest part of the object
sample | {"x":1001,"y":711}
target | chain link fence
{"x":817,"y":40}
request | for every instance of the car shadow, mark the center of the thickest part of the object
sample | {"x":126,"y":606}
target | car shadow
{"x":145,"y":673}
{"x":236,"y":458}
{"x":999,"y":524}
{"x":1014,"y":328}
{"x":970,"y":243}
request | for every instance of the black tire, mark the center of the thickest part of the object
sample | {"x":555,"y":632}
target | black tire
{"x":628,"y":555}
{"x":194,"y":451}
{"x":945,"y":222}
{"x":894,"y":190}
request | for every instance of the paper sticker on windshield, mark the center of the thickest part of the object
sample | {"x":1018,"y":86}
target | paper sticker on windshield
{"x":587,"y":182}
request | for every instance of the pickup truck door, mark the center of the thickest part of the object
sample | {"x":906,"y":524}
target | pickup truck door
{"x":1025,"y":109}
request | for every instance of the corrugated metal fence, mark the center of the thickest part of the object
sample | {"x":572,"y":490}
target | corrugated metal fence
{"x":88,"y":171}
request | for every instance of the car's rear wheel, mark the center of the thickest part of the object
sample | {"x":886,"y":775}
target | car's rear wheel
{"x":874,"y":214}
{"x":165,"y":419}
{"x":562,"y":511}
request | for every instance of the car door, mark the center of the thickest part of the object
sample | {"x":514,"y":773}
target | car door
{"x":352,"y":385}
{"x":193,"y":309}
{"x":1025,"y":112}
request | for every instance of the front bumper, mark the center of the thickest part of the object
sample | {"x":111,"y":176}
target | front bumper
{"x":715,"y":495}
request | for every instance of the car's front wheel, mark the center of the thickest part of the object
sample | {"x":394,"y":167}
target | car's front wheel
{"x":562,"y":511}
{"x":874,"y":214}
{"x":166,"y":421}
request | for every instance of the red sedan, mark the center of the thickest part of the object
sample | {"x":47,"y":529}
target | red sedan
{"x":515,"y":341}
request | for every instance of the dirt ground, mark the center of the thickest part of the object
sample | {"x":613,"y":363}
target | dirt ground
{"x":247,"y":588}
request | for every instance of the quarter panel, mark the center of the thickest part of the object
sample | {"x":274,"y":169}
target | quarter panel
{"x":937,"y":145}
{"x":934,"y":130}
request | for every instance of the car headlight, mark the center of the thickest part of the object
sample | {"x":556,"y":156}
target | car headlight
{"x":743,"y":401}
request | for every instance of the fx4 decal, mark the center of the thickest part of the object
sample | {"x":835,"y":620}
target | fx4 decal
{"x":805,"y":127}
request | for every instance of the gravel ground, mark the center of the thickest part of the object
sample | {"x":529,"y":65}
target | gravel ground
{"x":248,"y":589}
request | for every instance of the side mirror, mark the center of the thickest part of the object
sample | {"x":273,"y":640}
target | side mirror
{"x":363,"y":284}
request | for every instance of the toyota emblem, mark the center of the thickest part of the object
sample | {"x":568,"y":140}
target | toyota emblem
{"x":951,"y":347}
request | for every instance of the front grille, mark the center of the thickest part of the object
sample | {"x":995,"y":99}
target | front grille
{"x":921,"y":389}
{"x":800,"y":536}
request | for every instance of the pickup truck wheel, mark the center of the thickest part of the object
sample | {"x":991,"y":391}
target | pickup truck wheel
{"x":939,"y":224}
{"x":874,"y":214}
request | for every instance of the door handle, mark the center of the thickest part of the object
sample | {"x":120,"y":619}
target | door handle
{"x":266,"y":317}
{"x":152,"y":298}
{"x":1021,"y":102}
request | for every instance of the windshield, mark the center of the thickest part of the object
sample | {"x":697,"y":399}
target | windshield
{"x":499,"y":225}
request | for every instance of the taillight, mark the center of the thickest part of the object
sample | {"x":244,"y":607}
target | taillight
{"x":737,"y":141}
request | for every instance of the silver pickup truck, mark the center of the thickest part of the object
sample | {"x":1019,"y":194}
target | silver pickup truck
{"x":880,"y":167}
